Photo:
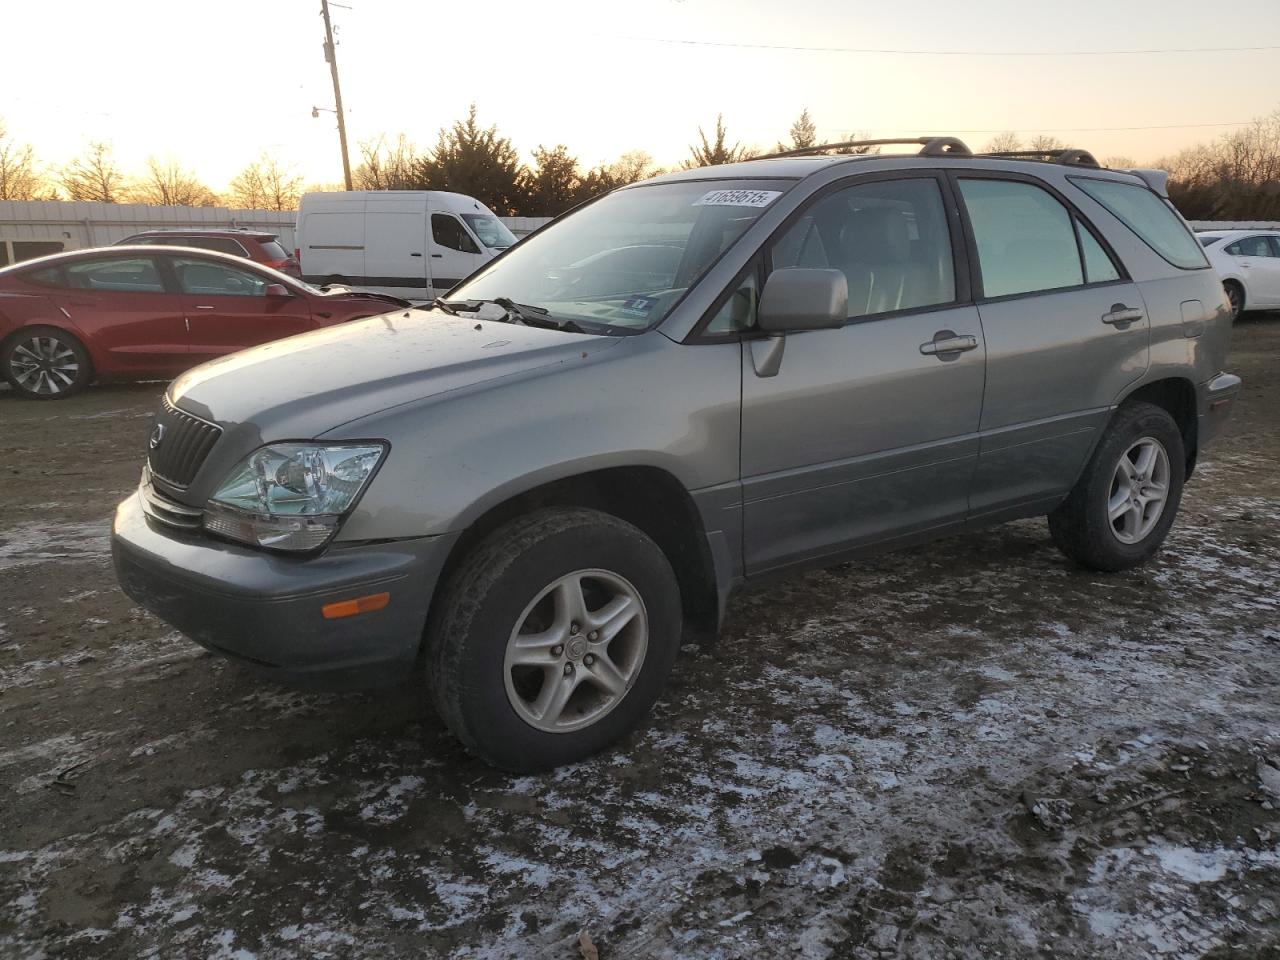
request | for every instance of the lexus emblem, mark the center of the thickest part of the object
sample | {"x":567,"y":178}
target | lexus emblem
{"x":157,"y":434}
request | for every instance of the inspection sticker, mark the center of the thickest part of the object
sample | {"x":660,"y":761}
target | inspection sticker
{"x":639,"y":306}
{"x":738,"y":198}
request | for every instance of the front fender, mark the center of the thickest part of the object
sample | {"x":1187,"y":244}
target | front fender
{"x":648,"y":403}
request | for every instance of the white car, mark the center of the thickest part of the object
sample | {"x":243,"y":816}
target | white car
{"x":1248,"y":261}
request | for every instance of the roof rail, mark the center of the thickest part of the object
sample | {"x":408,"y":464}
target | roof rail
{"x":931,"y":147}
{"x":1070,"y":156}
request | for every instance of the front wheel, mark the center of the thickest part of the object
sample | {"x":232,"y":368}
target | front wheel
{"x":45,"y":363}
{"x":554,"y":638}
{"x":1124,"y":503}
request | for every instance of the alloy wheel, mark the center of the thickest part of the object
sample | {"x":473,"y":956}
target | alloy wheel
{"x":42,"y":365}
{"x":1139,"y":490}
{"x":576,"y":650}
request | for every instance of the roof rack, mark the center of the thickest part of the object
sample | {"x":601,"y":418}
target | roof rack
{"x":930,"y":147}
{"x":1070,"y":156}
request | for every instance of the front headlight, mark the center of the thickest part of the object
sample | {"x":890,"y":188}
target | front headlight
{"x":291,"y":496}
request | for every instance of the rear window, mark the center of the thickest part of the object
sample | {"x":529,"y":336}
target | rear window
{"x":1150,"y":217}
{"x":273,"y":250}
{"x":1205,"y":241}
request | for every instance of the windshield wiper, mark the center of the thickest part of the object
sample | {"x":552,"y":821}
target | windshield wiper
{"x":523,"y":313}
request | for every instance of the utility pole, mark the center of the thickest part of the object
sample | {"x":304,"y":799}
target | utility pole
{"x":331,"y":58}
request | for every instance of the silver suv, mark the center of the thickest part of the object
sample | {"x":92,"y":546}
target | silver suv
{"x":528,"y":492}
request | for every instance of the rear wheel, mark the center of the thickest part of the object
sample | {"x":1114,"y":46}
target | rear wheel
{"x":45,"y":363}
{"x":1235,"y":296}
{"x":554,"y":638}
{"x":1124,"y":503}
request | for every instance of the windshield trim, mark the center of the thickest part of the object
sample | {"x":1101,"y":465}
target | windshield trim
{"x":791,"y":182}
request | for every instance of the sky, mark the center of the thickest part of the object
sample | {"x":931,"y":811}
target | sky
{"x":214,"y":83}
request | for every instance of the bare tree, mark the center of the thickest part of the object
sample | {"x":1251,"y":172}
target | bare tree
{"x":1006,"y":142}
{"x":1045,"y":142}
{"x":94,"y":175}
{"x":167,"y":184}
{"x":712,"y":153}
{"x":632,"y":166}
{"x":266,"y":184}
{"x":1120,"y":162}
{"x":387,"y":167}
{"x":20,"y":177}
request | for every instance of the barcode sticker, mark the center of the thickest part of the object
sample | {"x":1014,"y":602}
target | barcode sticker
{"x":738,"y":198}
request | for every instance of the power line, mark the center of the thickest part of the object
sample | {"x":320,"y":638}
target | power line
{"x":1017,"y":129}
{"x":942,"y":53}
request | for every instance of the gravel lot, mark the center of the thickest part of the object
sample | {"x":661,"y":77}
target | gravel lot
{"x":966,"y":750}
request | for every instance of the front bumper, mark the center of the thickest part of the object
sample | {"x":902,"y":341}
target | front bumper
{"x":264,"y":609}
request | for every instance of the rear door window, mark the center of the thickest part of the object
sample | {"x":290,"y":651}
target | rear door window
{"x":1024,"y":236}
{"x":208,"y":279}
{"x":1150,"y":217}
{"x":121,"y":275}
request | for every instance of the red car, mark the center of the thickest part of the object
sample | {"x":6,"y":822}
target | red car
{"x":145,"y":313}
{"x":263,"y":248}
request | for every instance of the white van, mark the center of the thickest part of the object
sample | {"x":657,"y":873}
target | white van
{"x":415,"y":244}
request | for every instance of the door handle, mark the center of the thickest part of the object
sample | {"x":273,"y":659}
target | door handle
{"x":1121,"y":316}
{"x":201,"y":306}
{"x":947,"y":345}
{"x":437,"y":256}
{"x":415,"y":254}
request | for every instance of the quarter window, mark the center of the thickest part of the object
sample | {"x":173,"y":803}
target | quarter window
{"x":889,"y":238}
{"x":739,"y":311}
{"x":1098,"y":266}
{"x":1251,"y":247}
{"x":125,"y":275}
{"x":1024,"y":236}
{"x":448,"y":232}
{"x":206,"y":278}
{"x":1150,"y":217}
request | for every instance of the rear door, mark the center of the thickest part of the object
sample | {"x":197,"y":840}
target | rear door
{"x":1066,"y":332}
{"x":455,"y":254}
{"x":123,"y":306}
{"x":868,"y":432}
{"x":395,"y":259}
{"x":227,"y":308}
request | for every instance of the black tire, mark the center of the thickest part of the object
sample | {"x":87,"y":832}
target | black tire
{"x":1081,"y":528}
{"x":485,"y":598}
{"x":21,"y":361}
{"x":1235,"y":297}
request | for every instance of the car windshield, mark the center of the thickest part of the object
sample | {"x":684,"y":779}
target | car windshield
{"x":493,"y":233}
{"x":1205,"y":241}
{"x":627,"y":259}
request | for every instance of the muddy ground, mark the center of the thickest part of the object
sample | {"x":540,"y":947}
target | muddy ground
{"x":969,"y":750}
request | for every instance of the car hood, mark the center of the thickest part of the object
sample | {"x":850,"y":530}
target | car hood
{"x":303,"y":386}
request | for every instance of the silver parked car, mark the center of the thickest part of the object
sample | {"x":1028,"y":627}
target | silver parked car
{"x":529,"y":491}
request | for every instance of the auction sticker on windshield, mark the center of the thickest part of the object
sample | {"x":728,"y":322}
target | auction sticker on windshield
{"x":738,"y":198}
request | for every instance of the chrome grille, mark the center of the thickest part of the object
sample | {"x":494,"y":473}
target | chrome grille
{"x":166,"y":510}
{"x":181,"y":446}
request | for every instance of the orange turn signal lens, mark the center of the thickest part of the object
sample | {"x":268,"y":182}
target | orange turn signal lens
{"x":349,"y":608}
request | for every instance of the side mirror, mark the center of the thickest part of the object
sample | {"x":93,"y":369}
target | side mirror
{"x":803,"y":298}
{"x":276,"y":290}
